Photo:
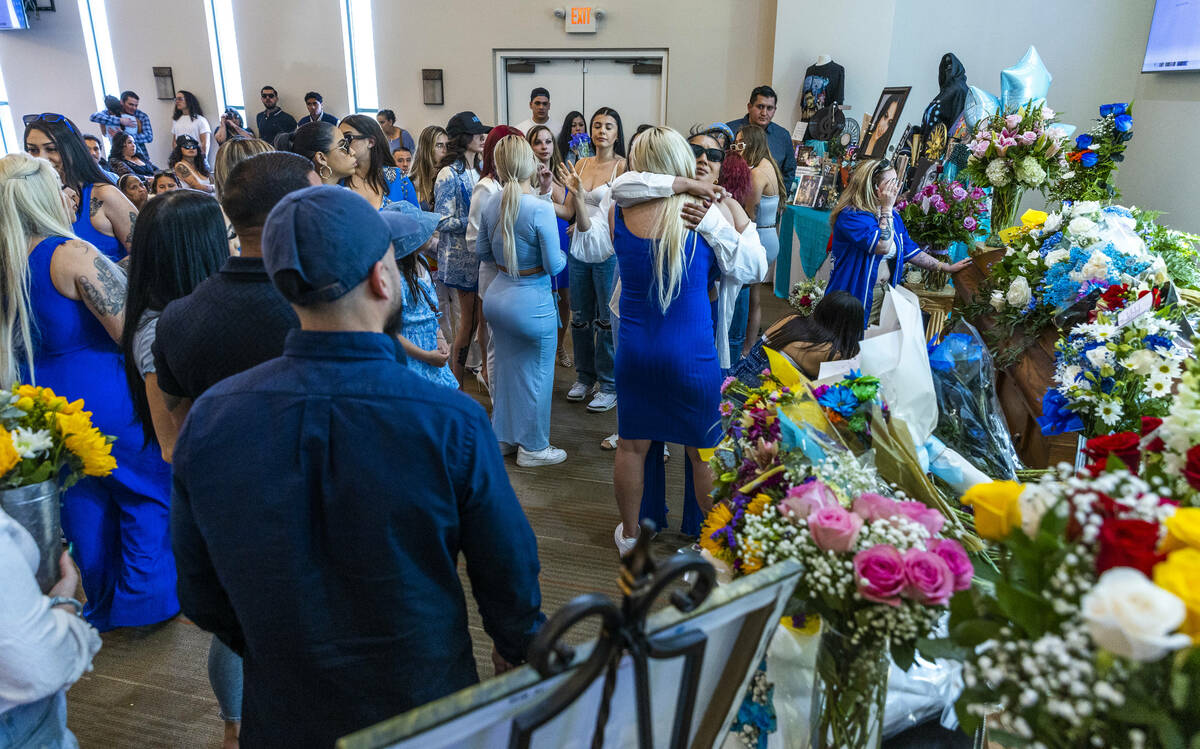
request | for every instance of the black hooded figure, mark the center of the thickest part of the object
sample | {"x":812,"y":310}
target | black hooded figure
{"x":950,"y":100}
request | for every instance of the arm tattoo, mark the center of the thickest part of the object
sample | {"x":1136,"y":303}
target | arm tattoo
{"x":885,"y":228}
{"x":109,"y":299}
{"x":132,"y":223}
{"x":96,"y":204}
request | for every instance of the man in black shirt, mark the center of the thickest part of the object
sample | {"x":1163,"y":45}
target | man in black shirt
{"x":236,"y":319}
{"x":273,"y":120}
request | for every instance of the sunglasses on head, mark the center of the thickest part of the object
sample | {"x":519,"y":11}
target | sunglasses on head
{"x":29,"y":119}
{"x":737,"y":146}
{"x":715,"y":155}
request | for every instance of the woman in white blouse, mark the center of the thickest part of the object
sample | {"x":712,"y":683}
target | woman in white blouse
{"x":188,"y":119}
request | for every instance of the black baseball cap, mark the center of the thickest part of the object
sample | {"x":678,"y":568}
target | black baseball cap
{"x":466,"y":123}
{"x":187,"y":141}
{"x":539,"y":91}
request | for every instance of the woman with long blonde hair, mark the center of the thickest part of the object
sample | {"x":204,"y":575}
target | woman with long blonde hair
{"x":667,"y":372}
{"x":517,"y":231}
{"x":74,"y":297}
{"x":870,"y":245}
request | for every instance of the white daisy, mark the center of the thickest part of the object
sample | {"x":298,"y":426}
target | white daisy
{"x":1157,"y":387}
{"x":1110,"y":412}
{"x":30,"y":443}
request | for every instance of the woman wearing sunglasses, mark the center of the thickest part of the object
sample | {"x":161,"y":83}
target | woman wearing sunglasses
{"x":104,"y":217}
{"x":375,"y":176}
{"x":190,"y":165}
{"x":323,"y":145}
{"x":870,"y":245}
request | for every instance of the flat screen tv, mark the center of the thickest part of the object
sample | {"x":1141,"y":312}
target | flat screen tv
{"x":1174,"y":42}
{"x":12,"y":15}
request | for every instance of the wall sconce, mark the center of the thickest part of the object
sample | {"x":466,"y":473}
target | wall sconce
{"x":431,"y":86}
{"x":164,"y":83}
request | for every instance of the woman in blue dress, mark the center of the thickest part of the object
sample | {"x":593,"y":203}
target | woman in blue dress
{"x":65,"y":338}
{"x":870,"y":244}
{"x":419,"y":332}
{"x":667,"y":373}
{"x":104,"y":217}
{"x":375,"y":177}
{"x":518,"y":230}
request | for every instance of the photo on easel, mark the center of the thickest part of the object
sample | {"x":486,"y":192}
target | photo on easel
{"x":883,"y":122}
{"x":808,"y":190}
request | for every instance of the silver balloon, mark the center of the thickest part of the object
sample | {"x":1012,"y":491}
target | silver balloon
{"x":1027,"y":81}
{"x":980,"y":105}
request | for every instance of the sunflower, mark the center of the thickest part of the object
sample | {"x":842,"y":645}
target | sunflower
{"x":8,"y":453}
{"x":86,"y":442}
{"x":718,"y":518}
{"x":758,"y":504}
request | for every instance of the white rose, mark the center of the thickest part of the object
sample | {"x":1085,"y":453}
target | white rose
{"x":1081,"y":226}
{"x":1098,"y":356}
{"x":1034,"y":256}
{"x":1131,"y":617}
{"x":1070,"y":374}
{"x":1018,"y":292}
{"x":997,"y":300}
{"x":1095,"y":269}
{"x":1084,"y":207}
{"x":1054,"y":257}
{"x":1141,"y":361}
{"x":1053,"y":221}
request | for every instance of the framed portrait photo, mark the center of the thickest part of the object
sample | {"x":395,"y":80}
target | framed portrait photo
{"x":808,"y":190}
{"x":886,"y":116}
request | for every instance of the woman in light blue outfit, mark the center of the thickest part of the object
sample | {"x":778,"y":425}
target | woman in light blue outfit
{"x":419,"y":332}
{"x":761,"y":202}
{"x":519,"y":231}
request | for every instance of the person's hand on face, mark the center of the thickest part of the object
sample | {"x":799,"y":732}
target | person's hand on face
{"x":887,"y":189}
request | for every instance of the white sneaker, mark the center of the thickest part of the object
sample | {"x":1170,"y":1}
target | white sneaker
{"x":602,"y":402}
{"x":549,"y":456}
{"x":577,"y":392}
{"x":624,"y":545}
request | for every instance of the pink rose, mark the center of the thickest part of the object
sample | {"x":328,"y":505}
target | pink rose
{"x":969,"y":223}
{"x":870,"y":506}
{"x":1027,"y":138}
{"x":927,"y":578}
{"x":939,"y":204}
{"x":806,"y":499}
{"x":879,"y":574}
{"x":955,"y":557}
{"x":980,"y":148}
{"x":977,"y":193}
{"x":1012,"y":120}
{"x":834,"y":529}
{"x":958,"y":192}
{"x":928,"y":190}
{"x":919,"y":512}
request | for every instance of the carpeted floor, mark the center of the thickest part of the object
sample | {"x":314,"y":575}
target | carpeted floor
{"x":150,"y":689}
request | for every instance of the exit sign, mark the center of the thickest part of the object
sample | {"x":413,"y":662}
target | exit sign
{"x":581,"y":20}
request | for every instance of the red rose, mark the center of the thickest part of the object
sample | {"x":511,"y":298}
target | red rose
{"x":1149,"y":424}
{"x":1191,"y":471}
{"x":1114,"y":296}
{"x":1125,"y":445}
{"x":1128,"y":543}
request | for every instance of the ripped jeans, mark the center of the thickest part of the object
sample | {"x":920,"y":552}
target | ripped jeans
{"x":591,"y":322}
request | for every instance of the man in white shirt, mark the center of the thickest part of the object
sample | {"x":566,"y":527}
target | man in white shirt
{"x":539,"y":108}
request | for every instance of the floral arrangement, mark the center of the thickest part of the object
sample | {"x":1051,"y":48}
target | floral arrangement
{"x":1087,"y":636}
{"x":1011,"y":153}
{"x":1095,"y":157}
{"x":42,"y":436}
{"x":848,"y":405}
{"x":1109,"y":376}
{"x":805,"y":296}
{"x":940,"y":214}
{"x":581,"y":145}
{"x":1177,"y":249}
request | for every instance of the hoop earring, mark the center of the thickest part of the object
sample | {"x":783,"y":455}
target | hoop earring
{"x":325,"y":174}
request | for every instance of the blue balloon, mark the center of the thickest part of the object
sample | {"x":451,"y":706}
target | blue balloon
{"x":1027,"y":81}
{"x":980,"y":105}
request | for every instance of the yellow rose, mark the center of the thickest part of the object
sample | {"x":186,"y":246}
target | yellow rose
{"x":996,"y":509}
{"x":1180,"y":574}
{"x":25,"y":403}
{"x":27,"y":391}
{"x":8,"y":453}
{"x":1183,"y":530}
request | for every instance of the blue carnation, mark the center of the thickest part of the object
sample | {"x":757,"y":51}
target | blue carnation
{"x":1050,"y":242}
{"x":1083,"y":141}
{"x":1089,"y":159}
{"x":1123,"y":123}
{"x":1155,"y":341}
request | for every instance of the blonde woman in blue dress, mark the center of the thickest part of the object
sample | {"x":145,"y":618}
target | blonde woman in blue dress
{"x":519,"y":232}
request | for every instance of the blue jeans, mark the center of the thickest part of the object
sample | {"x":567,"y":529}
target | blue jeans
{"x":225,"y":677}
{"x":591,"y":326}
{"x":737,"y":325}
{"x":41,"y":724}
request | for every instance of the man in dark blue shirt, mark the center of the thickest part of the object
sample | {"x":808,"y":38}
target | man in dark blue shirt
{"x":760,"y":111}
{"x":322,"y":499}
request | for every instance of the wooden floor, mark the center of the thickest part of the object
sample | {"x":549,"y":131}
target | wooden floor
{"x":151,"y":689}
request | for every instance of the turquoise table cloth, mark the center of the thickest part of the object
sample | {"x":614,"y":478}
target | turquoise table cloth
{"x":811,"y":230}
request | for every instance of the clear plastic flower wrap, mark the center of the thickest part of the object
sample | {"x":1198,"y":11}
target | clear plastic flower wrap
{"x":969,"y":416}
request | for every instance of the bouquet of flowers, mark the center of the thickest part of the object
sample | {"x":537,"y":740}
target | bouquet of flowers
{"x":1087,"y":636}
{"x":1109,"y":376}
{"x":937,"y":216}
{"x":1177,"y":249}
{"x":42,"y":437}
{"x":1095,"y":157}
{"x":1011,"y":153}
{"x":581,"y":145}
{"x":805,"y":296}
{"x":848,"y":405}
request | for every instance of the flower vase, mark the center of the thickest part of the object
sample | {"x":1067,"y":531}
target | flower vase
{"x":36,"y":508}
{"x":849,"y":692}
{"x":935,"y":280}
{"x":1006,"y":201}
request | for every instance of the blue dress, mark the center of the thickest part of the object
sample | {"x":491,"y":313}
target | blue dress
{"x":421,"y":327}
{"x":523,"y":319}
{"x":667,"y":373}
{"x":563,"y":279}
{"x":110,"y":247}
{"x":856,"y":264}
{"x":119,"y":523}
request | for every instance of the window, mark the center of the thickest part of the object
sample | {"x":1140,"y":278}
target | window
{"x":222,"y":45}
{"x":359,"y":41}
{"x":8,"y":133}
{"x":99,"y":50}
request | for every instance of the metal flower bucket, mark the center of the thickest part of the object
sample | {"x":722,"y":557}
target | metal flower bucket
{"x":36,"y":508}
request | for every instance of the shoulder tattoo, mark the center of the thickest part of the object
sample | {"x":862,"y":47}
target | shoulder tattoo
{"x":109,"y":297}
{"x":132,"y":223}
{"x":95,"y":204}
